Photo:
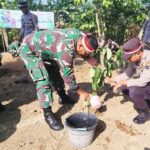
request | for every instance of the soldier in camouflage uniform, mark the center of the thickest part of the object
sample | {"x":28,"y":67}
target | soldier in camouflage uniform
{"x":57,"y":48}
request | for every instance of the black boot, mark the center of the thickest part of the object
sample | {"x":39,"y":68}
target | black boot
{"x":1,"y":107}
{"x":142,"y":117}
{"x":64,"y":98}
{"x":51,"y":120}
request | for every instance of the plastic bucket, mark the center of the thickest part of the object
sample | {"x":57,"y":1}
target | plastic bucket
{"x":81,"y":128}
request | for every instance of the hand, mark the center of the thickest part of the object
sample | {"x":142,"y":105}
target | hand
{"x":118,"y":85}
{"x":116,"y":89}
{"x":83,"y":94}
{"x":108,"y":80}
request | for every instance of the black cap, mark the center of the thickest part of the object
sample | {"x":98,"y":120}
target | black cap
{"x":22,"y":4}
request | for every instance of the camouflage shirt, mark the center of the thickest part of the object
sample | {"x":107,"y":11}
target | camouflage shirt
{"x":29,"y":24}
{"x":58,"y":45}
{"x":13,"y":48}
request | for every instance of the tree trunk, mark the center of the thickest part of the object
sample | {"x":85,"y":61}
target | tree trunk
{"x":98,"y":24}
{"x":5,"y":36}
{"x":4,"y":48}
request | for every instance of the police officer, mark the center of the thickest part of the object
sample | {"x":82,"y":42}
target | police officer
{"x":137,"y":88}
{"x":29,"y":21}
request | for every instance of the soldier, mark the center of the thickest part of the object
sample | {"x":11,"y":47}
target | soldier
{"x":58,"y":48}
{"x":138,"y":88}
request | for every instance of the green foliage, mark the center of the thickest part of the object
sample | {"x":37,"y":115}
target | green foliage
{"x":116,"y":17}
{"x":12,"y":34}
{"x":98,"y":74}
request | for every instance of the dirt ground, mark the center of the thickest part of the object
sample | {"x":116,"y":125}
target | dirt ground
{"x":22,"y":126}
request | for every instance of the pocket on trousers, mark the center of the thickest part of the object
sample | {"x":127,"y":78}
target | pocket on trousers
{"x":38,"y":73}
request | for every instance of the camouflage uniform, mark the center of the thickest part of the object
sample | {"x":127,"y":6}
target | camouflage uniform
{"x":13,"y":48}
{"x":56,"y":47}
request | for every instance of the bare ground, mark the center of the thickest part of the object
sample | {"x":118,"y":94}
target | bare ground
{"x":22,"y":126}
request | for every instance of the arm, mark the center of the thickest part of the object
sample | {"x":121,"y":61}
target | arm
{"x":67,"y":70}
{"x":127,"y":74}
{"x":68,"y":76}
{"x":141,"y":81}
{"x":35,"y":22}
{"x":21,"y":35}
{"x":121,"y":79}
{"x":13,"y":48}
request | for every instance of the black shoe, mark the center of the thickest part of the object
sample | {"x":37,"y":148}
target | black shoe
{"x":64,"y":98}
{"x":2,"y":108}
{"x":51,"y":120}
{"x":141,"y":118}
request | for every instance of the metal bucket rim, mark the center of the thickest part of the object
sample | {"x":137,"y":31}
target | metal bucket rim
{"x":82,"y":129}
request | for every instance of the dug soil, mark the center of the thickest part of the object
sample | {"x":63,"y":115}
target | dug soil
{"x":22,"y":125}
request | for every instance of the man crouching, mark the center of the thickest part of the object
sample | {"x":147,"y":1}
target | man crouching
{"x":138,"y":89}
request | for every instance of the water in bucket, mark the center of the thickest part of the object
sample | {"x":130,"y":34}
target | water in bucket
{"x":81,"y":128}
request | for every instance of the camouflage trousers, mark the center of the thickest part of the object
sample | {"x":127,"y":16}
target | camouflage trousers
{"x":44,"y":76}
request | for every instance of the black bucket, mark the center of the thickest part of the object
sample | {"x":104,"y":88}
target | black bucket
{"x":81,"y":128}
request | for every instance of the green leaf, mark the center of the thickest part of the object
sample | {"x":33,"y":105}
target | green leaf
{"x":94,"y":87}
{"x":121,"y":63}
{"x":107,"y":64}
{"x":118,"y":54}
{"x":108,"y":53}
{"x":2,"y":3}
{"x":104,"y":50}
{"x":97,"y":73}
{"x":109,"y":73}
{"x":92,"y":72}
{"x":104,"y":73}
